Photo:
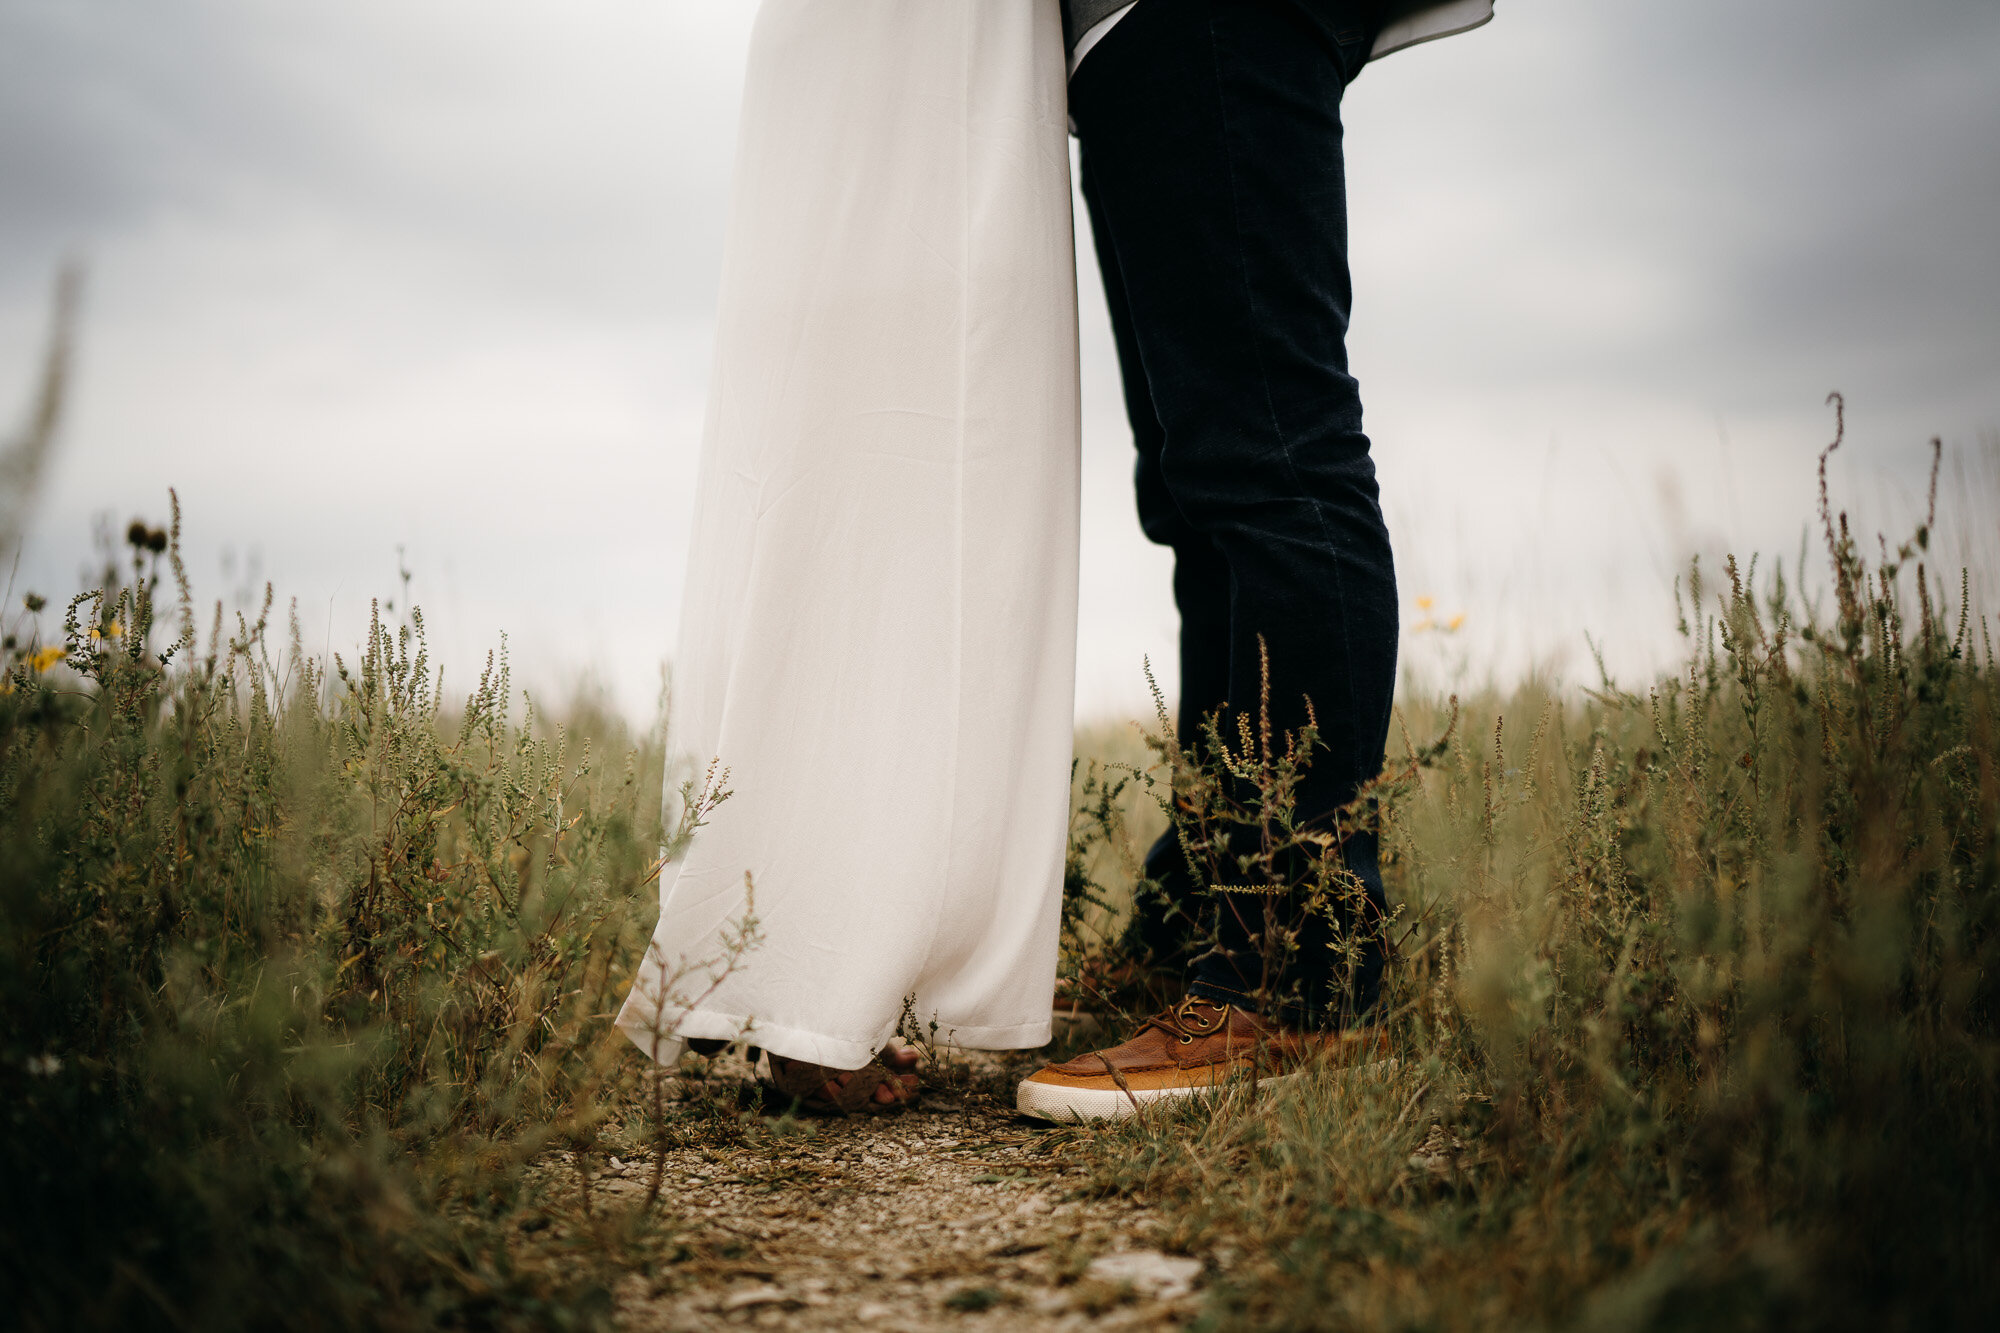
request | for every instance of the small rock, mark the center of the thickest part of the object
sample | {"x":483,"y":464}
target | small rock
{"x":1162,"y":1277}
{"x":871,"y":1311}
{"x":1050,"y":1303}
{"x":754,"y":1296}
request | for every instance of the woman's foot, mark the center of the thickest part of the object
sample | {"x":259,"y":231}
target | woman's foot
{"x":886,"y":1083}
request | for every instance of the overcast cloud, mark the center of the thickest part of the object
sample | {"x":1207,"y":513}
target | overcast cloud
{"x":441,"y":275}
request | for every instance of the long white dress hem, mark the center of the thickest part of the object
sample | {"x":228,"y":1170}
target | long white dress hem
{"x":878,"y":636}
{"x":818,"y":1047}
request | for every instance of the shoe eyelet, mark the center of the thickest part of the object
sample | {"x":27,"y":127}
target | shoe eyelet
{"x":1187,"y":1041}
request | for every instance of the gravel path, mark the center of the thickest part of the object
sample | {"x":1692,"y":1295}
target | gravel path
{"x":944,"y":1216}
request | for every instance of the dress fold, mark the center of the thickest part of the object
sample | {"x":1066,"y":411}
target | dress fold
{"x":878,"y":631}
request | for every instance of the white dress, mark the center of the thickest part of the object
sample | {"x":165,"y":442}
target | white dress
{"x":879,"y":629}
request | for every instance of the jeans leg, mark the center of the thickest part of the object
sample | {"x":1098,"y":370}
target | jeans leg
{"x":1162,"y":928}
{"x":1212,"y":131}
{"x":1201,"y":576}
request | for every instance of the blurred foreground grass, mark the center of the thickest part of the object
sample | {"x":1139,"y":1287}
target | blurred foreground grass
{"x":1694,"y":990}
{"x":301,"y":967}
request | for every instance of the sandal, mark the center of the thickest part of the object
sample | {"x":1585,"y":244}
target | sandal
{"x":819,"y":1089}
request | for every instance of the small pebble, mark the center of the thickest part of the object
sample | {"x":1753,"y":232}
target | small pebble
{"x":754,"y":1296}
{"x":1161,"y":1277}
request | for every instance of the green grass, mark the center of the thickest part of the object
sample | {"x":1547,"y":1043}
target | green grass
{"x":299,"y":970}
{"x":1693,"y":991}
{"x":1693,"y":997}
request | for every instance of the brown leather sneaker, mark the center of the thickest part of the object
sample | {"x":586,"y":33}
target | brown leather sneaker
{"x":1192,"y":1048}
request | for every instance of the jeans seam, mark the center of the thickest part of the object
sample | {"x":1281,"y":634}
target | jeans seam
{"x":1263,"y":372}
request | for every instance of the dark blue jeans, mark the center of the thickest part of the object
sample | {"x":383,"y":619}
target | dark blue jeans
{"x":1213,"y":172}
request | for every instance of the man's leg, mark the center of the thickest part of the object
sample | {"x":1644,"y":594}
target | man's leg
{"x":1212,"y":146}
{"x":1163,"y":928}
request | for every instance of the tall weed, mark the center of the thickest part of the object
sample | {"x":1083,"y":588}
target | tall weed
{"x":1693,"y":993}
{"x":301,"y":966}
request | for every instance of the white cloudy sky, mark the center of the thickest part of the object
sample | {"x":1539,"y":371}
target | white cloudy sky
{"x":440,"y":275}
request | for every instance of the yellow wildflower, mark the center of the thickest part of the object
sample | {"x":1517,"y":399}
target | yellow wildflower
{"x":1423,"y":603}
{"x":48,"y":657}
{"x":1455,"y":621}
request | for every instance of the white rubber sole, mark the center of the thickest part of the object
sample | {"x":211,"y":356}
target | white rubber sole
{"x":1075,"y":1106}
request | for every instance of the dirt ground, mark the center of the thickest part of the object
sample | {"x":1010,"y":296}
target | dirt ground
{"x":954,"y":1214}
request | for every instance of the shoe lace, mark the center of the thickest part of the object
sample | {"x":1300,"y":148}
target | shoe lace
{"x":1184,"y":1025}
